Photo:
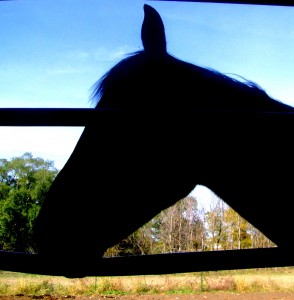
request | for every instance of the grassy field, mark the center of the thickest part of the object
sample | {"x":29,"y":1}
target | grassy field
{"x":278,"y":279}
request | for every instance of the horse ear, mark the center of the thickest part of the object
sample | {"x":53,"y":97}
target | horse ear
{"x":152,"y":33}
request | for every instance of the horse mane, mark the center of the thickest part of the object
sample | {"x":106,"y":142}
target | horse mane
{"x":127,"y":68}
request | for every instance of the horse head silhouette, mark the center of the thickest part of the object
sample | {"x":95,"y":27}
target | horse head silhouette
{"x":152,"y":152}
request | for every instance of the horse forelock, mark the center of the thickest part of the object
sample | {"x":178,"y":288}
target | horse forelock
{"x":114,"y":75}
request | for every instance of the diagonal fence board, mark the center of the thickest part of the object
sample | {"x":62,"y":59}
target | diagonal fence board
{"x":248,"y":2}
{"x":155,"y":264}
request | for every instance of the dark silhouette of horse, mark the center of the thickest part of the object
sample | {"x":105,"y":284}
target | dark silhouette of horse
{"x":173,"y":125}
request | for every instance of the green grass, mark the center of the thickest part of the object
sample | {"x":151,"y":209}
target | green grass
{"x":277,"y":279}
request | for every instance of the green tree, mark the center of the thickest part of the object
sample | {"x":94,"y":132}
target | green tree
{"x":238,"y":231}
{"x":215,"y":226}
{"x":24,"y":182}
{"x":179,"y":227}
{"x":140,"y":242}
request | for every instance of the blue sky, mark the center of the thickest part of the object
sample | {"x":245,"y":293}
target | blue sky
{"x":53,"y":51}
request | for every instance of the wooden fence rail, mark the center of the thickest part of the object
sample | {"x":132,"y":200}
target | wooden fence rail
{"x":86,"y":116}
{"x":155,"y":264}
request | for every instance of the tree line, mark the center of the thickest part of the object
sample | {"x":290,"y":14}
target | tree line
{"x":184,"y":227}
